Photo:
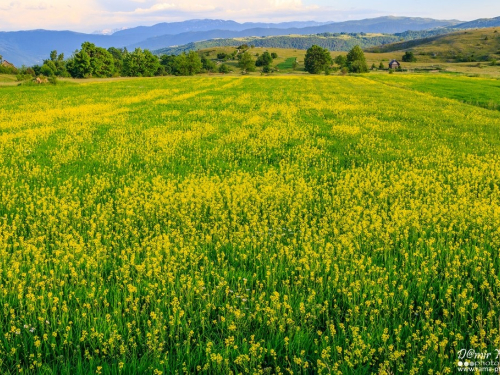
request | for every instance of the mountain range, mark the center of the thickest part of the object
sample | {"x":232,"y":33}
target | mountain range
{"x":33,"y":46}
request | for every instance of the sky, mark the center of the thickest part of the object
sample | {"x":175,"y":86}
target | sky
{"x":93,"y":15}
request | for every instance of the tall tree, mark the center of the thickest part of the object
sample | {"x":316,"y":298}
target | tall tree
{"x":317,"y":60}
{"x":246,"y":63}
{"x":356,"y":61}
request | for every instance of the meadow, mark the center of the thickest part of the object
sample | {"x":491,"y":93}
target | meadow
{"x":259,"y":225}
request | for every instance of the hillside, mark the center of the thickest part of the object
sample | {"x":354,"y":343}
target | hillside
{"x":333,"y":42}
{"x":462,"y":46}
{"x":31,"y":47}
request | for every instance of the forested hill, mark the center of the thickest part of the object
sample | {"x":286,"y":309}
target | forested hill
{"x":331,"y":41}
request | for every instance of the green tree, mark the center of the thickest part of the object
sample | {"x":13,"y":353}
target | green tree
{"x":356,"y":61}
{"x":48,"y":69}
{"x":101,"y":61}
{"x":119,"y":55}
{"x":317,"y":59}
{"x":57,"y":64}
{"x":341,"y":61}
{"x":409,"y":57}
{"x":168,"y":62}
{"x":224,"y":68}
{"x":80,"y":66}
{"x":381,"y":66}
{"x":208,"y":65}
{"x":246,"y":63}
{"x":140,"y":63}
{"x":187,"y":64}
{"x":274,"y":55}
{"x":264,"y":60}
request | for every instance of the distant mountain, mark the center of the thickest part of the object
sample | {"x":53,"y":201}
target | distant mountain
{"x":109,"y":31}
{"x":137,"y":34}
{"x":480,"y":23}
{"x":31,"y":47}
{"x":386,"y":25}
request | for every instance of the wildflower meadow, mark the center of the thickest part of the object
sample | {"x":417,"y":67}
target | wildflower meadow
{"x":246,"y":225}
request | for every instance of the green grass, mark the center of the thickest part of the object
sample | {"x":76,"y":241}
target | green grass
{"x":287,"y":64}
{"x":301,"y":224}
{"x":471,"y":90}
{"x":7,"y":78}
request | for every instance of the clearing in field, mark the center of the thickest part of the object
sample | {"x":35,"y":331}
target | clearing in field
{"x":254,"y":225}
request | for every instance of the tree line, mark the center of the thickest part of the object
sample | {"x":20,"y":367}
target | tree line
{"x":98,"y":62}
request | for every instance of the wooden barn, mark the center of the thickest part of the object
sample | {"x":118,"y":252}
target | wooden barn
{"x":394,"y":64}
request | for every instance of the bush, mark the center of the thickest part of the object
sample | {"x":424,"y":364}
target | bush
{"x":409,"y":57}
{"x":267,"y":69}
{"x":23,"y":77}
{"x":223,"y":68}
{"x":274,"y":55}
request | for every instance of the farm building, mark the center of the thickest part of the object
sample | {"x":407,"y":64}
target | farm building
{"x":394,"y":64}
{"x":7,"y":64}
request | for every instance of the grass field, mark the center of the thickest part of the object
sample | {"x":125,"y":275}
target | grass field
{"x":475,"y":91}
{"x":266,"y":225}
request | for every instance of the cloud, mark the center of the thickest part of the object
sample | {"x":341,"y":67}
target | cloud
{"x":89,"y":15}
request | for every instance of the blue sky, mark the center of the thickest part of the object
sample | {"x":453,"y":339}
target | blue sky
{"x":90,"y":15}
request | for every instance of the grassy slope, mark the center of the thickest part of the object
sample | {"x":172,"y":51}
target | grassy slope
{"x":306,"y":223}
{"x":481,"y":44}
{"x":7,"y":78}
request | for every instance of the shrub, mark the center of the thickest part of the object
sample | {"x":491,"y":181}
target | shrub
{"x":223,"y":68}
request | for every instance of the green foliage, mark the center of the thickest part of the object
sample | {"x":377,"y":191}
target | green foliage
{"x":341,"y":61}
{"x":409,"y":56}
{"x":91,"y":61}
{"x":208,"y":65}
{"x":274,"y":55}
{"x":140,"y":63}
{"x":267,"y":69}
{"x":356,"y":61}
{"x":7,"y":70}
{"x":264,"y":60}
{"x":246,"y":62}
{"x":222,"y":56}
{"x":168,"y":62}
{"x":187,"y":64}
{"x":119,"y":55}
{"x":48,"y":69}
{"x":381,"y":66}
{"x":224,"y":68}
{"x":317,"y":59}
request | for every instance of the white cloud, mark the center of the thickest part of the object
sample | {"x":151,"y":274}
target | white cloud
{"x":89,"y":15}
